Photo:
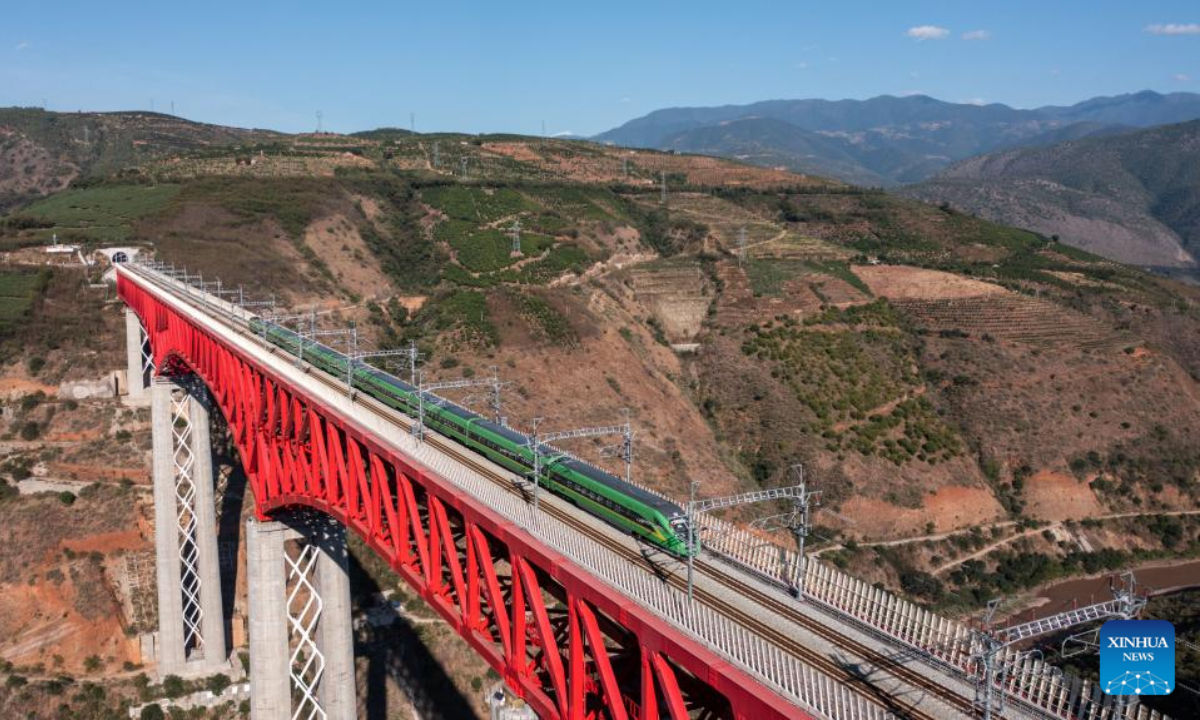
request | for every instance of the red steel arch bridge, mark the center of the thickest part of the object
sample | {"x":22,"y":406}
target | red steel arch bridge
{"x":578,"y":619}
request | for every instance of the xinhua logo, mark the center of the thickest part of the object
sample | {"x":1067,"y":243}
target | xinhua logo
{"x":1137,"y":657}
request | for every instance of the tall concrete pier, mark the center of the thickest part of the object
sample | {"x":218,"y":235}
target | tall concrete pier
{"x":191,"y":635}
{"x":301,"y":636}
{"x":137,"y":364}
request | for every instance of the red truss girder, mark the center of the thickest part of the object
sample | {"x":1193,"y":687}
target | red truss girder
{"x":448,"y":546}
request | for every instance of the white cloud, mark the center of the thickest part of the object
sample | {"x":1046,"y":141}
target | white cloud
{"x":975,"y":101}
{"x":1173,"y":29}
{"x":626,"y":100}
{"x":927,"y":32}
{"x":564,"y":133}
{"x":802,"y":65}
{"x":976,"y":35}
{"x":1180,"y":77}
{"x":24,"y":45}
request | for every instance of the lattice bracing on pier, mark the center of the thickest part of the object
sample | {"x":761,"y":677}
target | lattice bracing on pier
{"x":185,"y":516}
{"x":304,"y":606}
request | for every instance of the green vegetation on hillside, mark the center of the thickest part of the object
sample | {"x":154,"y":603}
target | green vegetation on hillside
{"x":294,"y":203}
{"x":476,"y":229}
{"x":663,"y":231}
{"x":18,"y":290}
{"x":476,"y":204}
{"x":549,"y":324}
{"x":465,"y":312}
{"x":404,"y":251}
{"x":857,"y":375}
{"x":769,"y":275}
{"x":104,"y":213}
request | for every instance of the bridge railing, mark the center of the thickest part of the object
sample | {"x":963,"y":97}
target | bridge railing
{"x":1034,"y":682}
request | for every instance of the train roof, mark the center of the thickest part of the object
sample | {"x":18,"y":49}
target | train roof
{"x":666,"y":507}
{"x":663,"y":505}
{"x":505,"y":432}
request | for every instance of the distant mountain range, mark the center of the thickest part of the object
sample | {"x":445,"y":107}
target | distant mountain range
{"x":1133,"y":197}
{"x":888,"y":140}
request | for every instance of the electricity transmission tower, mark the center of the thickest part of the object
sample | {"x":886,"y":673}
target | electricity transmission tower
{"x":319,"y":116}
{"x":515,"y":232}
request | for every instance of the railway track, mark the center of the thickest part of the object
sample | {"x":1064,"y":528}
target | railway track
{"x":849,"y":673}
{"x":903,"y":707}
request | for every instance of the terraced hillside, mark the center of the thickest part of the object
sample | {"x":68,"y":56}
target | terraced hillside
{"x":924,"y":364}
{"x":1016,"y":318}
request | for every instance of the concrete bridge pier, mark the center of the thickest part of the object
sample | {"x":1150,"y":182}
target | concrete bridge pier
{"x":138,"y":362}
{"x":301,"y":632}
{"x":191,"y":628}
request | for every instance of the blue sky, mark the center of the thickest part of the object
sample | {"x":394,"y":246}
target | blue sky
{"x":512,"y":65}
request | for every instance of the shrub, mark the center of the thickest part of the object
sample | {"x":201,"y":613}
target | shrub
{"x":152,"y":712}
{"x":173,"y":686}
{"x":916,"y":582}
{"x":66,"y":497}
{"x":217,"y":684}
{"x":31,"y":431}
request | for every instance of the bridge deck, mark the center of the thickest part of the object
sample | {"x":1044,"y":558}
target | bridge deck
{"x":807,"y":655}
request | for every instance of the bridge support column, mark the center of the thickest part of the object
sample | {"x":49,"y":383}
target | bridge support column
{"x":270,"y":656}
{"x":191,"y":631}
{"x":301,"y":636}
{"x":137,"y":358}
{"x":336,"y":630}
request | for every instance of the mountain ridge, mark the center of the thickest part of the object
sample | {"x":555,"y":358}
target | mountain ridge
{"x":1133,"y":197}
{"x":899,"y":140}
